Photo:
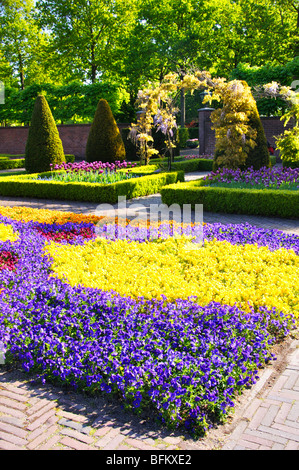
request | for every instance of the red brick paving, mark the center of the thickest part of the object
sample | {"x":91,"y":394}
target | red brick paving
{"x":271,"y":420}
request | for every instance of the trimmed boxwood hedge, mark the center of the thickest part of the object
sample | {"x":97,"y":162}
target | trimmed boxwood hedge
{"x":9,"y":163}
{"x":27,"y":186}
{"x":267,"y":203}
{"x":194,"y":164}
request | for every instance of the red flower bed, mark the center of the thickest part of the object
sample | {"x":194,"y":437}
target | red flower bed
{"x":7,"y":260}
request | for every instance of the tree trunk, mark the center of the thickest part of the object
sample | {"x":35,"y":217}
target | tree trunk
{"x":93,"y":65}
{"x":21,"y":72}
{"x":183,"y":108}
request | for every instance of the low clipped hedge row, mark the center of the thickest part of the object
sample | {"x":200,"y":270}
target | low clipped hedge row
{"x":269,"y":203}
{"x":196,"y":164}
{"x":9,"y":163}
{"x":28,"y":186}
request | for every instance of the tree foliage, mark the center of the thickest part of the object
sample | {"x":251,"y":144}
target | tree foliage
{"x":22,"y":41}
{"x":85,"y":31}
{"x":73,"y":103}
{"x":60,"y":42}
{"x":240,"y":137}
{"x":256,"y":76}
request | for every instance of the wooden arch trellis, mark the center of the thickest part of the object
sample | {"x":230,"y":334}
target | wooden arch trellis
{"x":231,"y":122}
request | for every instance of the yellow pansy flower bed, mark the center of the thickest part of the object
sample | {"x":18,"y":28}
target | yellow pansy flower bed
{"x":7,"y":233}
{"x":217,"y":271}
{"x":27,"y":214}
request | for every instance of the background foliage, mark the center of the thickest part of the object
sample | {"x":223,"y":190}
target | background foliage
{"x":87,"y":50}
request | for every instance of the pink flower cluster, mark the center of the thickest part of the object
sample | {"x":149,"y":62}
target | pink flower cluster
{"x":7,"y":260}
{"x":92,"y":166}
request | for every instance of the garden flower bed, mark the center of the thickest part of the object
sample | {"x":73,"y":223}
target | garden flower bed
{"x":265,"y":178}
{"x":141,"y":182}
{"x":183,"y":357}
{"x":271,"y":192}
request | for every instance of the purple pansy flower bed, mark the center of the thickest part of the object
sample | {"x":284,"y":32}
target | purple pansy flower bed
{"x":274,"y":178}
{"x":185,"y":362}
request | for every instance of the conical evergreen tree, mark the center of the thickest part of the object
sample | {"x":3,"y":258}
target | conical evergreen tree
{"x":43,"y":145}
{"x":259,"y":155}
{"x":104,"y":142}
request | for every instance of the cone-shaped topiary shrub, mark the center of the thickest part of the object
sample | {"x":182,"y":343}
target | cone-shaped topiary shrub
{"x":240,"y":137}
{"x":104,"y":142}
{"x":43,"y":145}
{"x":258,"y":156}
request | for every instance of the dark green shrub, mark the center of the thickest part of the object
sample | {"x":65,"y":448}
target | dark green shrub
{"x":104,"y":142}
{"x":193,"y":133}
{"x":183,"y":136}
{"x":258,"y":156}
{"x":44,"y":146}
{"x":130,"y":148}
{"x":11,"y":164}
{"x":159,"y":141}
{"x":69,"y":158}
{"x":290,"y":165}
{"x":273,"y":160}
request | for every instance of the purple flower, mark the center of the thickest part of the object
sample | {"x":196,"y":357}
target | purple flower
{"x":183,"y":360}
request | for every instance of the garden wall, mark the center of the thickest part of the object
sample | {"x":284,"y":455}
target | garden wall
{"x":74,"y":137}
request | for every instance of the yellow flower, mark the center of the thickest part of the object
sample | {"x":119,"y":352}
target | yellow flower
{"x":27,"y":214}
{"x":218,"y":271}
{"x":7,"y":233}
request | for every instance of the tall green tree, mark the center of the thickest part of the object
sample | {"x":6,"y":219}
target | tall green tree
{"x":289,"y":13}
{"x":84,"y":31}
{"x":251,"y":31}
{"x":213,"y":35}
{"x":5,"y":70}
{"x":20,"y":38}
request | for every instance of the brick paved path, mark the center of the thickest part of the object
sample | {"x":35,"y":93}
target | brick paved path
{"x":270,"y":421}
{"x":35,"y":417}
{"x":38,"y":417}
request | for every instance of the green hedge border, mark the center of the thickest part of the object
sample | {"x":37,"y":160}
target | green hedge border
{"x":267,"y":203}
{"x":12,"y":164}
{"x":8,"y":163}
{"x":26,"y":186}
{"x":194,"y":164}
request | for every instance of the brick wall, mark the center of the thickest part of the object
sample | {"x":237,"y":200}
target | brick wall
{"x":74,"y":137}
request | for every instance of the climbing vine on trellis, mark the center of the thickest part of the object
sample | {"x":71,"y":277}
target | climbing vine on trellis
{"x":234,"y":134}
